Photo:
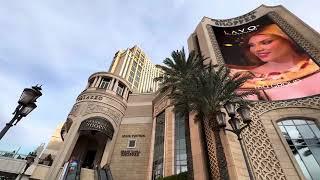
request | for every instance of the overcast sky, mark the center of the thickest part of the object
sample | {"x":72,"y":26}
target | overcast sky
{"x":59,"y":44}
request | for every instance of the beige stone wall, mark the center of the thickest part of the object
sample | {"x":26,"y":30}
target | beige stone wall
{"x":54,"y":144}
{"x":198,"y":152}
{"x":234,"y":156}
{"x":131,"y":167}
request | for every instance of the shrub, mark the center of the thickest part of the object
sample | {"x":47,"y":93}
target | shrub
{"x":180,"y":176}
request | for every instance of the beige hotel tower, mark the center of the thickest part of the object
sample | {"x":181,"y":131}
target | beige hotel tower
{"x":121,"y":128}
{"x":134,"y":66}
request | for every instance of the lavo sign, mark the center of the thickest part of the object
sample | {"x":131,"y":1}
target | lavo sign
{"x":242,"y":31}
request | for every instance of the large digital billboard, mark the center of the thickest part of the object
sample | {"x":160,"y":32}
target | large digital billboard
{"x":281,"y":69}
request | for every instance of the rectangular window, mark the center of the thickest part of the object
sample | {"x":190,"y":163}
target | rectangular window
{"x":131,"y":79}
{"x":104,"y":83}
{"x":157,"y":165}
{"x":180,"y":149}
{"x":134,"y":65}
{"x":131,"y":143}
{"x":120,"y":89}
{"x":131,"y":73}
{"x":136,"y":83}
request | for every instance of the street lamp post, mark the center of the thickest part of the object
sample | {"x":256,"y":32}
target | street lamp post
{"x":26,"y":104}
{"x":244,"y":113}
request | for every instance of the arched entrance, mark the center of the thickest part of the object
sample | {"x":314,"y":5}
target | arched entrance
{"x":94,"y":134}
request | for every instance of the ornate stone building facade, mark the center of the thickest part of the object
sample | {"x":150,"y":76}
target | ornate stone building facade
{"x":138,"y":136}
{"x":273,"y":151}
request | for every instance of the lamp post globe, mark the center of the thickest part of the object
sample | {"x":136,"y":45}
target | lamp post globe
{"x":26,"y":104}
{"x":221,"y":119}
{"x":231,"y":108}
{"x":237,"y":127}
{"x":30,"y":95}
{"x":244,"y":112}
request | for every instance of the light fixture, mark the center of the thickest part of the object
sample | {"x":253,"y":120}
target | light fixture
{"x":26,"y":104}
{"x":230,"y":107}
{"x":27,"y":109}
{"x":244,"y":112}
{"x":221,"y":119}
{"x":30,"y":95}
{"x":237,"y":128}
{"x":235,"y":124}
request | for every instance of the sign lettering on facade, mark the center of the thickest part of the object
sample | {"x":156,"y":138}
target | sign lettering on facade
{"x":133,"y":135}
{"x":90,"y":97}
{"x":130,"y":152}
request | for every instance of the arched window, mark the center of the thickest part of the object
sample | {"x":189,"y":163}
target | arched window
{"x":303,"y":138}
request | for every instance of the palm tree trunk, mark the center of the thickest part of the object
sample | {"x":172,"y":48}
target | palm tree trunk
{"x":217,"y":159}
{"x":188,"y":148}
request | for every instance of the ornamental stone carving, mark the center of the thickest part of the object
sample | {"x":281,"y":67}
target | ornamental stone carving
{"x":75,"y":110}
{"x":161,"y":105}
{"x":95,"y":108}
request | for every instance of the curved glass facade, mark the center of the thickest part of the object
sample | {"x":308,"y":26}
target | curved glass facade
{"x":303,"y":138}
{"x":157,"y":166}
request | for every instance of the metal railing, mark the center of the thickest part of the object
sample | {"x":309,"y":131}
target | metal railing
{"x":13,"y":155}
{"x":103,"y":173}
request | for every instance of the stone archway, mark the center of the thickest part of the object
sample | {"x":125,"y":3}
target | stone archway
{"x":98,"y":124}
{"x":94,"y":133}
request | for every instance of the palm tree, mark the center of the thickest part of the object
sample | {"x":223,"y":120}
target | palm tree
{"x":178,"y":70}
{"x":212,"y":88}
{"x":192,"y":86}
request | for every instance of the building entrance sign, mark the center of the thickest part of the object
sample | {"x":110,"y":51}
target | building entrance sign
{"x":97,"y":124}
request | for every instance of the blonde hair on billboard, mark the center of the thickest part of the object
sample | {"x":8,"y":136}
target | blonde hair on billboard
{"x":272,"y":30}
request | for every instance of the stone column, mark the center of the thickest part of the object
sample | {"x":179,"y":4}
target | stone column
{"x":98,"y":82}
{"x":94,"y":82}
{"x":64,"y":152}
{"x":150,"y":164}
{"x":111,"y":84}
{"x":116,"y":86}
{"x":125,"y":93}
{"x":106,"y":158}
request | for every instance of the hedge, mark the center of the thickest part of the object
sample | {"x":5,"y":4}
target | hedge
{"x":181,"y":176}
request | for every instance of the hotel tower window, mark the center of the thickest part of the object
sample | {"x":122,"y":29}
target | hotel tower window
{"x":157,"y":167}
{"x":303,"y":138}
{"x":180,"y":152}
{"x":120,"y":89}
{"x":104,"y":83}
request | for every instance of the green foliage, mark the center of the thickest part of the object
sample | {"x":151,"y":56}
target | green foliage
{"x":193,"y":86}
{"x":181,"y":176}
{"x":179,"y":71}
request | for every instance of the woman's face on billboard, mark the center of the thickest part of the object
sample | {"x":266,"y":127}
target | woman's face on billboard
{"x":270,"y":48}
